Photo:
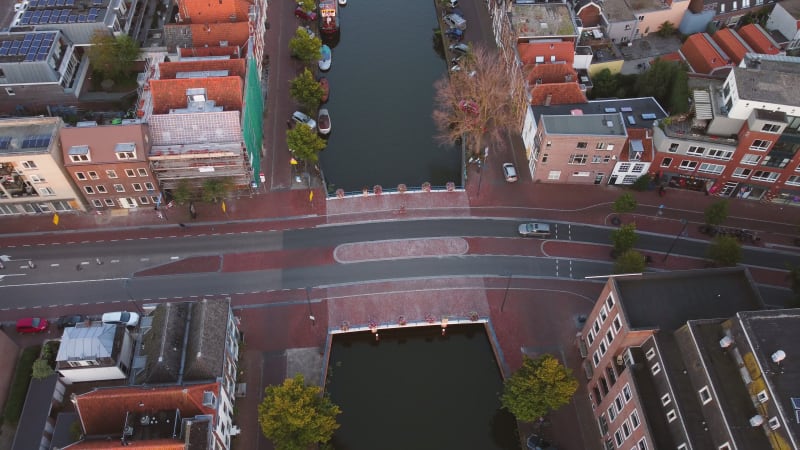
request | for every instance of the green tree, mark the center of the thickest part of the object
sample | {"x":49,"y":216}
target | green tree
{"x":625,"y":203}
{"x":642,"y":183}
{"x":630,"y":261}
{"x":679,"y":93}
{"x":540,"y":386}
{"x":666,"y":29}
{"x":306,"y":90}
{"x":182,"y":192}
{"x":216,"y":188}
{"x":624,"y":238}
{"x":725,"y":251}
{"x":604,"y":84}
{"x":112,"y":56}
{"x":304,"y":143}
{"x":657,"y":80}
{"x":305,"y":47}
{"x":41,"y":369}
{"x":716,"y":213}
{"x":307,"y":5}
{"x":295,"y":416}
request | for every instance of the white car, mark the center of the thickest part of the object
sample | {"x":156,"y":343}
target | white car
{"x":509,"y":172}
{"x":129,"y":319}
{"x":300,"y":117}
{"x":455,"y":21}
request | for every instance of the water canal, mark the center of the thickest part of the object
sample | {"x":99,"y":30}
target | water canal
{"x":381,"y":98}
{"x":417,"y":389}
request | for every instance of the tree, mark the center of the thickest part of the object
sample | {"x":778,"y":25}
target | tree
{"x":41,"y":369}
{"x":474,"y":103}
{"x":294,"y":416}
{"x":604,"y":84}
{"x":625,"y":203}
{"x":306,"y":90}
{"x":716,"y":213}
{"x":216,"y":188}
{"x":624,"y":238}
{"x":630,"y":261}
{"x":307,"y":5}
{"x":725,"y":251}
{"x":304,"y":143}
{"x":642,"y":183}
{"x":666,"y":29}
{"x":540,"y":386}
{"x":305,"y":47}
{"x":182,"y":192}
{"x":112,"y":56}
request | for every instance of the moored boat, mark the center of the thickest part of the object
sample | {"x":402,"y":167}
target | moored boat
{"x":323,"y":82}
{"x":325,"y":58}
{"x":324,"y":121}
{"x":328,"y":16}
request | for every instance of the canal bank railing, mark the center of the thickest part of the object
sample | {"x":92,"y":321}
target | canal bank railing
{"x":400,"y":189}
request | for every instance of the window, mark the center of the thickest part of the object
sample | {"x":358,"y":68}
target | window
{"x":666,"y":162}
{"x":125,"y":151}
{"x":760,"y":144}
{"x":687,"y":165}
{"x":793,"y":180}
{"x":142,"y":172}
{"x":725,"y":446}
{"x":554,"y":175}
{"x":740,"y":172}
{"x":641,"y":18}
{"x":596,"y":358}
{"x":610,"y":147}
{"x":642,"y":444}
{"x":97,"y":203}
{"x":111,"y":173}
{"x":695,"y":150}
{"x":144,"y":200}
{"x":603,"y":348}
{"x":624,"y":167}
{"x":119,"y":188}
{"x":763,"y":175}
{"x":137,"y":187}
{"x":671,"y":416}
{"x":600,"y":146}
{"x":626,"y":429}
{"x":655,"y":368}
{"x":88,"y":189}
{"x":618,"y":438}
{"x":130,"y":173}
{"x":711,"y":168}
{"x":101,"y":189}
{"x":590,"y":337}
{"x":651,"y":353}
{"x":10,"y":91}
{"x":544,"y":158}
{"x":29,"y":165}
{"x":638,"y":168}
{"x":597,"y":159}
{"x":603,"y":314}
{"x":705,"y":395}
{"x":609,"y":336}
{"x":617,"y":324}
{"x":774,"y":423}
{"x":582,"y":145}
{"x":770,"y":128}
{"x":762,"y":397}
{"x":109,"y":201}
{"x":715,"y":153}
{"x":606,"y":158}
{"x":665,"y":400}
{"x":596,"y":327}
{"x":612,"y":413}
{"x":673,"y":147}
{"x":751,"y":159}
{"x":46,"y":191}
{"x":79,"y":158}
{"x":149,"y":186}
{"x":721,"y":10}
{"x":626,"y":392}
{"x":80,"y":175}
{"x":578,"y":158}
{"x":93,"y":175}
{"x":635,"y":419}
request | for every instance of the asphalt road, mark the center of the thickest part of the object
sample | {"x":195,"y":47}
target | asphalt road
{"x":106,"y":267}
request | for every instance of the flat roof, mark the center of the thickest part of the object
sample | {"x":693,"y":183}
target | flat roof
{"x":62,"y":12}
{"x":769,"y":86}
{"x":542,"y":19}
{"x":27,"y":47}
{"x":610,"y":124}
{"x":639,"y":112}
{"x":617,"y":11}
{"x":667,"y":300}
{"x":26,"y":136}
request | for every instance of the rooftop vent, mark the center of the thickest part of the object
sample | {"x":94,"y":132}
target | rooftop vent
{"x":726,"y":342}
{"x":756,"y":420}
{"x":778,"y":356}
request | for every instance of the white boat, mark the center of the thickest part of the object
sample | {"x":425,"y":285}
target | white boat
{"x":324,"y":121}
{"x":325,"y":59}
{"x":342,"y":2}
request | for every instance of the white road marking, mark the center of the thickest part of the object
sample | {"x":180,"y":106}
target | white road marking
{"x":114,"y":261}
{"x":55,"y":265}
{"x":144,"y":259}
{"x":174,"y":257}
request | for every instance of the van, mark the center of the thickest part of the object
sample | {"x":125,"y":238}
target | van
{"x":455,"y":21}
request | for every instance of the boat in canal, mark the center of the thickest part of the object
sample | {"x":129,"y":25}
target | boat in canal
{"x":324,"y":121}
{"x":323,"y":82}
{"x":328,"y":16}
{"x":342,"y":2}
{"x":325,"y":58}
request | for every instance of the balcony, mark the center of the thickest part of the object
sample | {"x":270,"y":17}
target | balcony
{"x":683,"y":130}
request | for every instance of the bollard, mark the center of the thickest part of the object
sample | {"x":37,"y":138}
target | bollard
{"x":98,"y":261}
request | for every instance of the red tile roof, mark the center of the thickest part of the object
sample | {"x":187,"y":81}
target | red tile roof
{"x":103,"y":411}
{"x":562,"y":51}
{"x":559,"y":94}
{"x":170,"y":94}
{"x":211,"y":51}
{"x":674,"y":56}
{"x":731,"y":44}
{"x":235,"y":67}
{"x":102,"y":140}
{"x":702,"y":55}
{"x":638,"y":134}
{"x":154,"y":444}
{"x":552,"y":73}
{"x":758,"y":39}
{"x":212,"y":34}
{"x":213,"y":11}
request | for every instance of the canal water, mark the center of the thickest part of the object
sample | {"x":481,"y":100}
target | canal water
{"x":415,"y":389}
{"x":381,"y":98}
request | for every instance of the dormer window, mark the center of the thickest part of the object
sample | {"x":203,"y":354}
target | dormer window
{"x":79,"y":153}
{"x":125,"y":151}
{"x":209,"y":399}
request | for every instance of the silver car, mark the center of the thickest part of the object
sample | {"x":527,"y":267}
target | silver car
{"x":534,"y":229}
{"x":455,"y":21}
{"x":300,"y":117}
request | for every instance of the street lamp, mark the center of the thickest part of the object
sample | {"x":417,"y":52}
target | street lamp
{"x":685,"y":223}
{"x":505,"y":296}
{"x":310,"y":312}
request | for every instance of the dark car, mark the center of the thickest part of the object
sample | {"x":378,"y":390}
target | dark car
{"x":70,"y":321}
{"x":300,"y":13}
{"x":32,"y":325}
{"x":454,"y":34}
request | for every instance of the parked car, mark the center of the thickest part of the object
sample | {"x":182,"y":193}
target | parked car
{"x":510,"y":172}
{"x":534,"y":229}
{"x":535,"y":442}
{"x":455,"y":21}
{"x":300,"y":117}
{"x":129,"y":319}
{"x":32,"y":325}
{"x":302,"y":14}
{"x":454,"y":34}
{"x":70,"y":321}
{"x":459,"y":49}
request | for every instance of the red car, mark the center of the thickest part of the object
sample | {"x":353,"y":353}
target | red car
{"x":32,"y":325}
{"x":302,"y":14}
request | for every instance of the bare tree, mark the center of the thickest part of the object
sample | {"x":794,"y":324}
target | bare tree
{"x":476,"y":102}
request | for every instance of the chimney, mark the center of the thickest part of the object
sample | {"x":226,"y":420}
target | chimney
{"x":548,"y":99}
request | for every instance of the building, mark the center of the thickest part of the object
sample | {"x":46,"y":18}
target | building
{"x":32,"y":168}
{"x":626,"y":20}
{"x":704,"y":56}
{"x":94,"y":352}
{"x":37,"y":421}
{"x":9,"y":353}
{"x":785,"y":20}
{"x":642,"y":356}
{"x":109,"y":164}
{"x":719,"y":14}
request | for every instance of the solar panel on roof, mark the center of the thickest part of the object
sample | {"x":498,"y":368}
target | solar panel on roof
{"x":29,"y":57}
{"x":33,"y":3}
{"x":4,"y":142}
{"x":41,"y":56}
{"x":27,"y":38}
{"x":59,"y":2}
{"x":64,"y":13}
{"x":3,"y":51}
{"x":51,"y":3}
{"x":626,"y":109}
{"x":81,"y":17}
{"x":72,"y":18}
{"x":648,"y":116}
{"x":70,"y":2}
{"x":15,"y":44}
{"x":92,"y":17}
{"x":5,"y":44}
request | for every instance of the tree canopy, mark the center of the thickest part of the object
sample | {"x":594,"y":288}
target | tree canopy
{"x":306,"y":90}
{"x":630,"y":261}
{"x":725,"y":251}
{"x":305,"y":47}
{"x":540,"y":386}
{"x":624,"y":238}
{"x":716,"y":213}
{"x":112,"y":56}
{"x":666,"y":81}
{"x":625,"y":203}
{"x":304,"y":143}
{"x":475,"y":102}
{"x":294,"y":416}
{"x":216,"y":188}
